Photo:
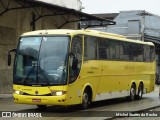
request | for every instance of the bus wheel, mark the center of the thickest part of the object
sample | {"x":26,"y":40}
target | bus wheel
{"x":41,"y":107}
{"x":140,"y":91}
{"x":85,"y":100}
{"x":132,"y":92}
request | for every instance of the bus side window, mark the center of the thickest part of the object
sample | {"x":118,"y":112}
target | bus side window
{"x":152,"y":53}
{"x":139,"y":49}
{"x":113,"y":49}
{"x":90,"y":48}
{"x":75,"y":58}
{"x":102,"y":49}
{"x":125,"y":53}
{"x":147,"y":53}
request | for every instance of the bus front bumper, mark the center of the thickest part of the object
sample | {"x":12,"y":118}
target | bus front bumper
{"x":40,"y":100}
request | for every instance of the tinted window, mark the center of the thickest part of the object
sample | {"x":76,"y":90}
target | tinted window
{"x":108,"y":49}
{"x":112,"y":49}
{"x":147,"y":53}
{"x":136,"y":52}
{"x":90,"y":48}
{"x":102,"y":48}
{"x":152,"y":53}
{"x":125,"y":51}
{"x":75,"y":58}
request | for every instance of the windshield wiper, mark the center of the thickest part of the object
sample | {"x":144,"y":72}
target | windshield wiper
{"x":29,"y":73}
{"x":45,"y":75}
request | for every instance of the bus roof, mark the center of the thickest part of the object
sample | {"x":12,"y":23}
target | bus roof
{"x":85,"y":32}
{"x":68,"y":31}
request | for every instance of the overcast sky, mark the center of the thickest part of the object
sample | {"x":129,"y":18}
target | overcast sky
{"x":114,"y":6}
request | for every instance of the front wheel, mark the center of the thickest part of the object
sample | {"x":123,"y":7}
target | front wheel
{"x":85,"y":100}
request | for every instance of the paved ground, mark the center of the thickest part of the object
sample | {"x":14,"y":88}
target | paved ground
{"x":6,"y":96}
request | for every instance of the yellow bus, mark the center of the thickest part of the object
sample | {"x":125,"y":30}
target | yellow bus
{"x":69,"y":67}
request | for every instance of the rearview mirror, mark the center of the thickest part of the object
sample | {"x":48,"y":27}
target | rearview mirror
{"x":9,"y":56}
{"x":9,"y":60}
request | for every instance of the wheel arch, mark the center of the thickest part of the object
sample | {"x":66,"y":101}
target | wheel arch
{"x":134,"y":83}
{"x":141,"y":82}
{"x":138,"y":84}
{"x":89,"y":88}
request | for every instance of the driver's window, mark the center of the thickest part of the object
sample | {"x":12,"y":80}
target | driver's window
{"x":75,"y":58}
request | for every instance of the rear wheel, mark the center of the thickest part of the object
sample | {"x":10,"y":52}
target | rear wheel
{"x":132,"y":92}
{"x":140,"y":91}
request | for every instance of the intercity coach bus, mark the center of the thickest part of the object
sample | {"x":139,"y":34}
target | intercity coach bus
{"x":69,"y":67}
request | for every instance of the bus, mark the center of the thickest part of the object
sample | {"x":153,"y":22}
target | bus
{"x":70,"y":67}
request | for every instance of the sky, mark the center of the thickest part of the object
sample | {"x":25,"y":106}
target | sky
{"x":115,"y":6}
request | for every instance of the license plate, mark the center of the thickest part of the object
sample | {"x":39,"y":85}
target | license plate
{"x":36,"y":100}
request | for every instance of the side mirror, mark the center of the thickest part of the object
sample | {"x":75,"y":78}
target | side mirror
{"x":9,"y":59}
{"x":74,"y":61}
{"x":9,"y":56}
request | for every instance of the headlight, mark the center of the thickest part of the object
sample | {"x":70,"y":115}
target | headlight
{"x":58,"y":93}
{"x":18,"y":92}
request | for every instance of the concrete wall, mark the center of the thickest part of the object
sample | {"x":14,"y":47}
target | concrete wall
{"x":123,"y":21}
{"x":152,"y":26}
{"x":136,"y":22}
{"x":12,"y":24}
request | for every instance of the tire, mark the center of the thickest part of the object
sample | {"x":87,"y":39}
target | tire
{"x":132,"y":93}
{"x":41,"y":107}
{"x":85,"y":100}
{"x":140,"y":92}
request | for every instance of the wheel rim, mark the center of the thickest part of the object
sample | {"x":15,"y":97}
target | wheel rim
{"x":85,"y":100}
{"x":132,"y":93}
{"x":140,"y":91}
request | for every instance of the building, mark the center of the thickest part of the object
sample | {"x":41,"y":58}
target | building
{"x":19,"y":16}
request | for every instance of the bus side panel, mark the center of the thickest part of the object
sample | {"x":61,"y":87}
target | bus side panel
{"x":89,"y":75}
{"x":117,"y":77}
{"x":114,"y":81}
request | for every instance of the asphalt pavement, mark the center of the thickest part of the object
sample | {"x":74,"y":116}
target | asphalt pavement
{"x":6,"y":96}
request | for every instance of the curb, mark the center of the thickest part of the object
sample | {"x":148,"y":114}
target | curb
{"x":6,"y":96}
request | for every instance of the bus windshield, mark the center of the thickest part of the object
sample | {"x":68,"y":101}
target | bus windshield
{"x":41,"y":61}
